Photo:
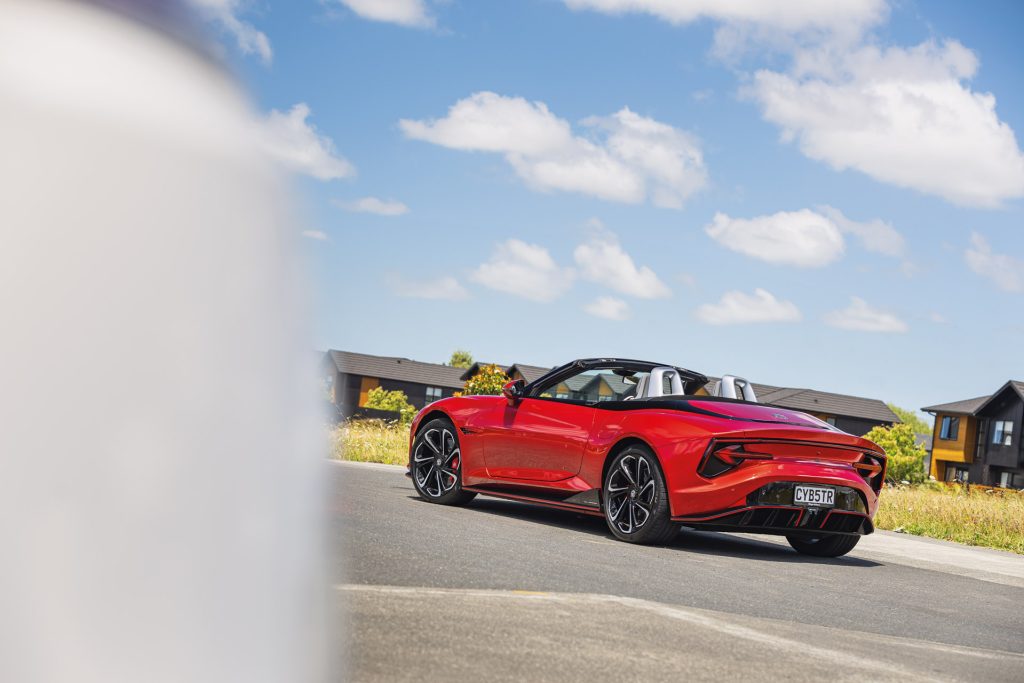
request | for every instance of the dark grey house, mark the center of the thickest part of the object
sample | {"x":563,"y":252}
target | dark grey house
{"x":351,"y":376}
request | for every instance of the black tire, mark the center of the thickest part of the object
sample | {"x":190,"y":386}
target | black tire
{"x":823,"y":546}
{"x":435,"y":463}
{"x":636,"y":499}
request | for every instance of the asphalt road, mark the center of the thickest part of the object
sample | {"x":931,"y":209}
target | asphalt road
{"x":499,"y":590}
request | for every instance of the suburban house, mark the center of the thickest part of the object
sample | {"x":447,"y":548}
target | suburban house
{"x":350,"y":376}
{"x":979,"y":439}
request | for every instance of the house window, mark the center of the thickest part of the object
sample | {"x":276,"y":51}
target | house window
{"x":950,"y":428}
{"x":433,"y":394}
{"x":831,"y":419}
{"x":1005,"y":478}
{"x":957,"y":473}
{"x":1002,"y":432}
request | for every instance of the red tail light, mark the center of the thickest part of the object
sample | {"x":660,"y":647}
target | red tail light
{"x":872,"y":468}
{"x":722,"y":457}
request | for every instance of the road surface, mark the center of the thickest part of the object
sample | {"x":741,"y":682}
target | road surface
{"x":500,"y":590}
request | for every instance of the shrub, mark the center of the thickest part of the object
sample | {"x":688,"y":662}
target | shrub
{"x":395,"y":401}
{"x":487,"y":382}
{"x":906,"y":456}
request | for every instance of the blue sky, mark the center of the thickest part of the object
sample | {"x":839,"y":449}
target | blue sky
{"x":823,"y":195}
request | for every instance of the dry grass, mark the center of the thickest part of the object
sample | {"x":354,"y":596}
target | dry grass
{"x":371,"y":441}
{"x":989,"y":518}
{"x":977,"y":517}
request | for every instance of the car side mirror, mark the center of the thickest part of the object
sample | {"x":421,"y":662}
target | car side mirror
{"x":514,"y":390}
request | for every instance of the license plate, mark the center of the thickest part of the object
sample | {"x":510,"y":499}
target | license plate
{"x":814,"y":495}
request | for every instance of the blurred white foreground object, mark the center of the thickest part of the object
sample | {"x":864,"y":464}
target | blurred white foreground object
{"x":160,"y":499}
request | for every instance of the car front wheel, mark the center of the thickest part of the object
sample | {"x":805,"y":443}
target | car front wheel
{"x":636,"y":499}
{"x":436,"y":464}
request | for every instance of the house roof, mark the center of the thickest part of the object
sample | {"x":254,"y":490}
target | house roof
{"x":1018,"y":387}
{"x":399,"y":369}
{"x":966,"y":407}
{"x":814,"y":401}
{"x":529,"y":372}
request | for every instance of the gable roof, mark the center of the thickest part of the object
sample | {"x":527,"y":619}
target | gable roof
{"x":399,"y":369}
{"x":814,"y":401}
{"x":1018,"y":387}
{"x":968,"y":406}
{"x":529,"y":372}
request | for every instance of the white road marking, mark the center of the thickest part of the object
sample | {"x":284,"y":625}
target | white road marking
{"x":369,"y":465}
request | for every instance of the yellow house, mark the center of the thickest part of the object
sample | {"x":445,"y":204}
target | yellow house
{"x":954,"y":438}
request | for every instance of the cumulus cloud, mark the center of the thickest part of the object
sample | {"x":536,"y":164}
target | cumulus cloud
{"x":525,"y":270}
{"x":602,"y":259}
{"x":381,"y":207}
{"x":903,"y":116}
{"x":412,"y":13}
{"x":861,"y":317}
{"x":225,"y":14}
{"x":624,"y":157}
{"x":297,"y":146}
{"x":445,"y":287}
{"x":1005,"y":271}
{"x":737,"y":308}
{"x":315,"y":234}
{"x":789,"y":15}
{"x":797,"y":238}
{"x":875,"y":235}
{"x":608,"y":307}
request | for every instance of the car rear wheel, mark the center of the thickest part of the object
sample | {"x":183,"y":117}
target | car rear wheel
{"x":636,"y":499}
{"x":436,"y":464}
{"x":823,"y":546}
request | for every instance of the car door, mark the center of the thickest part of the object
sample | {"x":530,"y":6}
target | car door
{"x":539,"y":439}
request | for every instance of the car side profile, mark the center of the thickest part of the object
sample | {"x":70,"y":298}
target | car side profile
{"x":632,"y":441}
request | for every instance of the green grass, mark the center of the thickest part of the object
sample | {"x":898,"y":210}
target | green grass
{"x":371,"y":441}
{"x":993,"y":518}
{"x":989,"y":518}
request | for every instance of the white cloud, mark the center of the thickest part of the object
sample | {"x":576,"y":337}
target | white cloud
{"x":381,"y":207}
{"x":861,"y":317}
{"x":1006,"y":271}
{"x":903,"y":116}
{"x":937,"y":318}
{"x":315,"y":234}
{"x":736,"y":308}
{"x":788,"y":15}
{"x":299,"y":147}
{"x":525,"y":270}
{"x":608,"y":307}
{"x":797,"y":238}
{"x":225,"y":13}
{"x":624,"y":157}
{"x":411,"y":13}
{"x":601,"y":259}
{"x":875,"y":235}
{"x":445,"y":287}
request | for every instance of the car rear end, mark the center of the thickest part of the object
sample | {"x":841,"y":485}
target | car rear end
{"x":766,"y":470}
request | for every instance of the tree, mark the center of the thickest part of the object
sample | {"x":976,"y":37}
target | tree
{"x":911,"y":418}
{"x":394,"y":401}
{"x":487,"y":382}
{"x":461,"y":359}
{"x":906,"y":455}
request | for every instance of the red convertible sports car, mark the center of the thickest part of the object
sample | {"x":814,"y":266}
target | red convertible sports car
{"x":633,"y":442}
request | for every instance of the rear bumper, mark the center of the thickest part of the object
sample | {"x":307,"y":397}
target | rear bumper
{"x":770,"y":510}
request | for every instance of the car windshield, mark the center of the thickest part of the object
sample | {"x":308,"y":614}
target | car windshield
{"x":591,"y":386}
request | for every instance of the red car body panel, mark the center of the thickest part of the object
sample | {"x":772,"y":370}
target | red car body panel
{"x":546,"y":450}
